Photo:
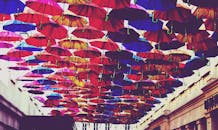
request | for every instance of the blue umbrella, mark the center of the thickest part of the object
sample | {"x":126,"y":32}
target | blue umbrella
{"x":11,"y":6}
{"x":195,"y":63}
{"x":46,"y":82}
{"x":18,"y":26}
{"x":123,"y":54}
{"x":42,"y":70}
{"x":33,"y":60}
{"x":25,"y":46}
{"x":138,"y":46}
{"x":212,"y":52}
{"x":181,"y":72}
{"x":203,"y":3}
{"x":54,"y":96}
{"x":215,"y":36}
{"x":123,"y":35}
{"x":146,"y":24}
{"x":169,"y":46}
{"x":157,"y":4}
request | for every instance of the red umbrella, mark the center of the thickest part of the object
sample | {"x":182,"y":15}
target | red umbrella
{"x":206,"y":13}
{"x":32,"y":18}
{"x":40,"y":41}
{"x":175,"y":14}
{"x":52,"y":30}
{"x":88,"y":10}
{"x":111,"y":24}
{"x":57,"y":50}
{"x":105,"y":45}
{"x":88,"y":33}
{"x":90,"y":53}
{"x":103,"y":60}
{"x":70,"y":20}
{"x":4,"y":17}
{"x":45,"y":6}
{"x":72,"y":1}
{"x":63,"y":63}
{"x":137,"y":77}
{"x":65,"y":72}
{"x":159,"y":36}
{"x":112,"y":3}
{"x":33,"y":75}
{"x":178,"y":56}
{"x":47,"y":57}
{"x":9,"y":36}
{"x":211,"y":25}
{"x":19,"y":53}
{"x":202,"y":45}
{"x":155,"y":55}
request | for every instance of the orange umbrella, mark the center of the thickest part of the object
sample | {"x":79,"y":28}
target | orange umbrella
{"x":73,"y":44}
{"x":211,"y":25}
{"x":159,"y":36}
{"x":207,"y":13}
{"x":190,"y":38}
{"x":70,"y":20}
{"x":88,"y":33}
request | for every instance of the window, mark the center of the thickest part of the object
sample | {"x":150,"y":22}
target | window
{"x":127,"y":127}
{"x":107,"y":126}
{"x":95,"y":126}
{"x":84,"y":126}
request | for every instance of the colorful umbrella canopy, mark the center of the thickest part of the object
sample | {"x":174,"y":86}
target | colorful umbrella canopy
{"x":11,"y":6}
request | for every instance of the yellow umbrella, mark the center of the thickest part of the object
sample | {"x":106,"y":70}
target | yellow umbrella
{"x":76,"y":59}
{"x":72,"y":1}
{"x":73,"y":44}
{"x":70,"y":20}
{"x":76,"y":81}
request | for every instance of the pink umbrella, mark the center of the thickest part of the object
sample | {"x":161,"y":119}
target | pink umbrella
{"x":45,"y":6}
{"x":5,"y":45}
{"x":9,"y":36}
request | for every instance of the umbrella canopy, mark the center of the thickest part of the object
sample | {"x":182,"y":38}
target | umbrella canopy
{"x":105,"y":45}
{"x":45,"y":6}
{"x":70,"y":20}
{"x":88,"y":33}
{"x":32,"y":18}
{"x":112,"y":3}
{"x":159,"y":36}
{"x":11,"y":6}
{"x":9,"y":36}
{"x":52,"y":30}
{"x":88,"y":10}
{"x":40,"y":41}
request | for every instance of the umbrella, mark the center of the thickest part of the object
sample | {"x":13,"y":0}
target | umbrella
{"x":193,"y":37}
{"x":190,"y":26}
{"x":88,"y":10}
{"x":138,"y":46}
{"x":211,"y":25}
{"x":18,"y":68}
{"x":202,"y":3}
{"x":40,"y":41}
{"x":19,"y":53}
{"x":9,"y":36}
{"x":10,"y":58}
{"x":76,"y":59}
{"x":37,"y":92}
{"x":175,"y":14}
{"x":207,"y":13}
{"x":211,"y":52}
{"x":4,"y":17}
{"x":169,"y":45}
{"x":11,"y":6}
{"x":53,"y":30}
{"x":157,"y":4}
{"x":5,"y":45}
{"x":30,"y":74}
{"x":73,"y":44}
{"x":25,"y":46}
{"x":42,"y":70}
{"x":195,"y":63}
{"x":89,"y":53}
{"x":159,"y":36}
{"x":70,"y":20}
{"x":45,"y":6}
{"x":105,"y":45}
{"x":123,"y":35}
{"x":202,"y":45}
{"x":45,"y":82}
{"x":18,"y":26}
{"x":65,"y":72}
{"x":103,"y":60}
{"x":88,"y":33}
{"x":122,"y":54}
{"x":47,"y":57}
{"x":57,"y":50}
{"x":178,"y":56}
{"x":146,"y":24}
{"x":32,"y":18}
{"x":54,"y":96}
{"x":72,"y":1}
{"x":112,"y":3}
{"x":134,"y":13}
{"x":111,"y":24}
